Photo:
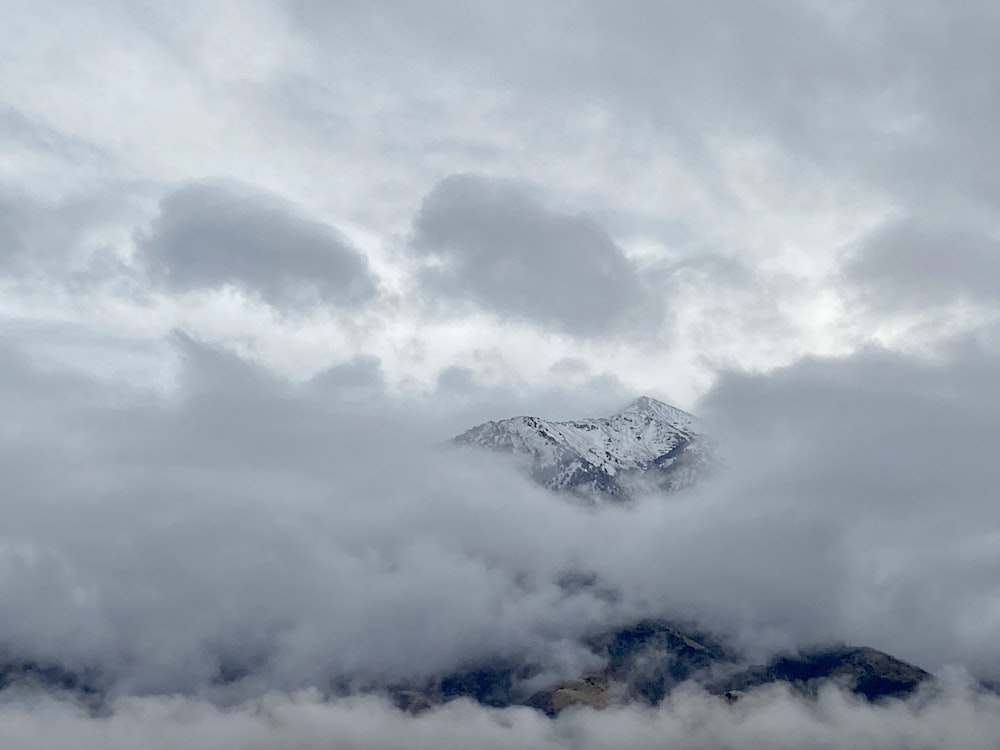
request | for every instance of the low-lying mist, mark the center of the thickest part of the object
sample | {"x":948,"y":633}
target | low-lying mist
{"x":213,"y":552}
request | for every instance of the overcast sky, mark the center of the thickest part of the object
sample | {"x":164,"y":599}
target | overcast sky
{"x":254,"y":253}
{"x":654,"y":193}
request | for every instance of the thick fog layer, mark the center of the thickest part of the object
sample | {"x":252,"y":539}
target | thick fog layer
{"x":243,"y":522}
{"x":773,"y":720}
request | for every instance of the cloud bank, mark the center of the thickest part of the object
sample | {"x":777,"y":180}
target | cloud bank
{"x":957,"y":717}
{"x":311,"y":532}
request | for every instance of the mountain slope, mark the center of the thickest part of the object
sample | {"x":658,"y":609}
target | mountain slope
{"x":642,"y":663}
{"x":649,"y":445}
{"x":866,"y":672}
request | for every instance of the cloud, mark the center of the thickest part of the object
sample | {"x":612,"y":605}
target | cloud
{"x":894,"y":98}
{"x":576,"y":390}
{"x":252,"y":522}
{"x":774,"y":720}
{"x":39,"y":141}
{"x":212,"y":234}
{"x":11,"y":230}
{"x":317,"y":530}
{"x":361,"y":378}
{"x":58,"y":239}
{"x":748,"y":153}
{"x":498,"y":247}
{"x":879,"y":464}
{"x":914,"y":264}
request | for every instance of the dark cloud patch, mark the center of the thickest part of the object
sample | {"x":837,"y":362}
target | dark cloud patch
{"x":499,"y":247}
{"x":361,"y":378}
{"x":914,"y":264}
{"x":569,"y":367}
{"x":457,"y":380}
{"x":213,"y":234}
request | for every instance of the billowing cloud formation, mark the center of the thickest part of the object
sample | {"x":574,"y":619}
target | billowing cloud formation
{"x":880,"y":463}
{"x":956,"y":717}
{"x":245,"y":535}
{"x":913,"y":264}
{"x":500,"y":248}
{"x":307,"y":531}
{"x":248,"y":524}
{"x":214,"y":234}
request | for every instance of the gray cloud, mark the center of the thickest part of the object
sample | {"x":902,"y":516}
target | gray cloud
{"x":912,"y":264}
{"x":500,"y":248}
{"x":467,"y":401}
{"x":213,"y":234}
{"x":38,"y":138}
{"x":775,"y":720}
{"x":46,"y":237}
{"x":317,"y":530}
{"x":11,"y":230}
{"x":361,"y":378}
{"x":352,"y":572}
{"x":879,"y":463}
{"x":896,"y":97}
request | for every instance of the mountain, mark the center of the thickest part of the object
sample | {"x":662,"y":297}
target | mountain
{"x":868,"y":673}
{"x":642,"y":663}
{"x":647,"y":446}
{"x":639,"y":663}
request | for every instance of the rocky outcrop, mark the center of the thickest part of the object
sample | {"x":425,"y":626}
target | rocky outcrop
{"x":644,"y":662}
{"x":649,"y":446}
{"x":866,"y":672}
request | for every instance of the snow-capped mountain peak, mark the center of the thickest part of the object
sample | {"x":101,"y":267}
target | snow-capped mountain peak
{"x":647,"y":445}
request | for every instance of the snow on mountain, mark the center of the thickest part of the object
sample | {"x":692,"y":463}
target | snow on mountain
{"x":648,"y":445}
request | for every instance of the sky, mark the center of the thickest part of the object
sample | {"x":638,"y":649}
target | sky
{"x":657,"y":194}
{"x":259,"y":259}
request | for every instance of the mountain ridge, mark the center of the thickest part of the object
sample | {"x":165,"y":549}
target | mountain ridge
{"x":648,"y":445}
{"x":643,"y":662}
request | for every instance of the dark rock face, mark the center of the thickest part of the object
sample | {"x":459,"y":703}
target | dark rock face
{"x":641,"y":662}
{"x":653,"y":656}
{"x":645,"y":661}
{"x":87,"y":687}
{"x":488,"y":685}
{"x":868,"y":673}
{"x":592,"y":691}
{"x":492,"y":684}
{"x":51,"y":677}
